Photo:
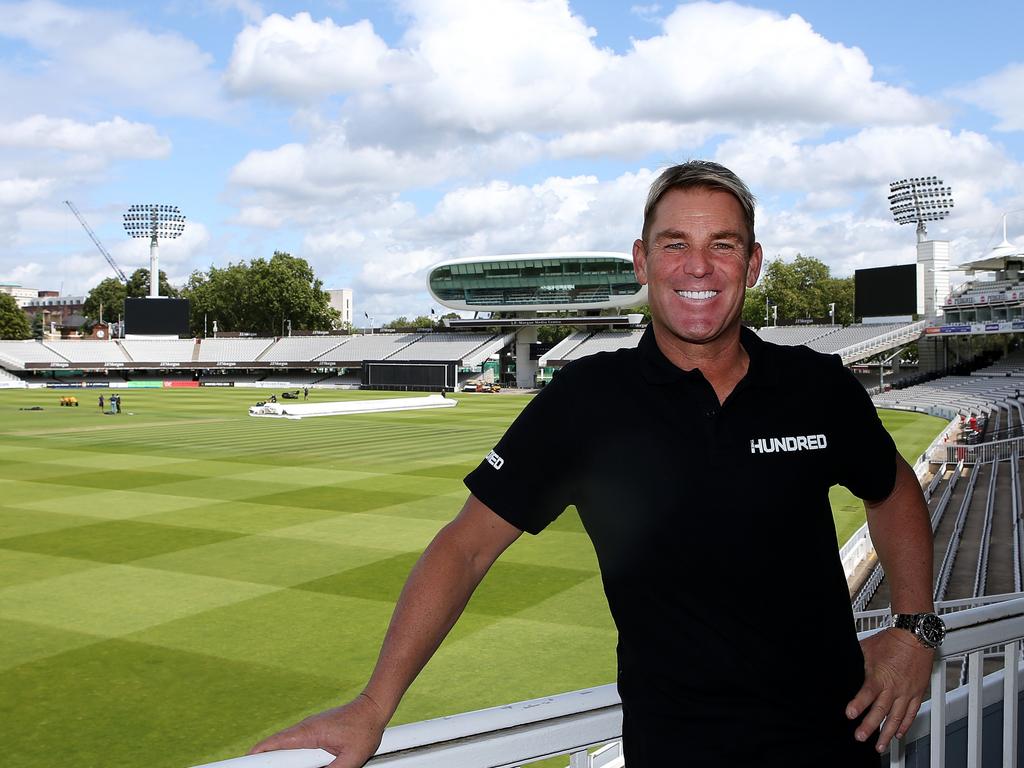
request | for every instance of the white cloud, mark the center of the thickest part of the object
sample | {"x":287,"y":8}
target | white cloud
{"x":870,"y":157}
{"x":91,"y":52}
{"x":15,"y":193}
{"x":114,"y":138}
{"x":299,"y":59}
{"x":1000,"y":94}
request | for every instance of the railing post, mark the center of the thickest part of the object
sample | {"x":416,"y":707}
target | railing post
{"x":937,"y":747}
{"x":1011,"y":658}
{"x":897,"y":754}
{"x":975,"y":705}
{"x":579,"y":759}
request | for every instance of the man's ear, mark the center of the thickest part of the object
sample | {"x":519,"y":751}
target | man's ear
{"x":753,"y":265}
{"x":640,"y":261}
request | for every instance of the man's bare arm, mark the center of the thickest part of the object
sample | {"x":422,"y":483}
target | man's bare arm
{"x":432,"y":599}
{"x":897,"y":665}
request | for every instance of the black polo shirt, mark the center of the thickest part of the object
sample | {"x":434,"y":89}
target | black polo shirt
{"x":715,"y":539}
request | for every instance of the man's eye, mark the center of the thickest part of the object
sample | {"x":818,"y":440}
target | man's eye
{"x":724,"y":246}
{"x":674,"y":246}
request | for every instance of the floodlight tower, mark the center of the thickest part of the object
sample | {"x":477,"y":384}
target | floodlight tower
{"x":920,"y":199}
{"x":916,"y":201}
{"x":155,"y":222}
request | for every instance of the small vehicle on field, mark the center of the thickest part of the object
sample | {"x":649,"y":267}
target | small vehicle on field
{"x":290,"y":395}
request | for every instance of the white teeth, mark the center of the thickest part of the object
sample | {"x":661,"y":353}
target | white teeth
{"x":697,"y":294}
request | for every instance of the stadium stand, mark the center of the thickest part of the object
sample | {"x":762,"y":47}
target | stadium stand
{"x":293,"y":348}
{"x":159,"y":350}
{"x":15,"y":354}
{"x":564,"y":347}
{"x":231,"y":350}
{"x":442,"y":346}
{"x":373,"y":347}
{"x":1011,"y":365}
{"x":850,"y":335}
{"x":605,"y":341}
{"x":87,"y":350}
{"x":8,"y":380}
{"x":792,"y":335}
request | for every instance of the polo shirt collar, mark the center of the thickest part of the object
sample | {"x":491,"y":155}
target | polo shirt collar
{"x":658,"y":369}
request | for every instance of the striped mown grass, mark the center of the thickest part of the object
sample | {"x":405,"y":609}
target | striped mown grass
{"x":180,"y":580}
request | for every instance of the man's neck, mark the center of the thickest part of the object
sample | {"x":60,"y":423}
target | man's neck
{"x":723,"y":361}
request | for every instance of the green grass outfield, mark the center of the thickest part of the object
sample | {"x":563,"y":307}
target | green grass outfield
{"x":180,"y":580}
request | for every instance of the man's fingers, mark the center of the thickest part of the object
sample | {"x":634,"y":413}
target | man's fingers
{"x":897,"y":713}
{"x":861,"y":701}
{"x":874,"y":716}
{"x":289,"y":739}
{"x":908,"y":719}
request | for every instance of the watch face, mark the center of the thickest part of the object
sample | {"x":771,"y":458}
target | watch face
{"x":932,"y":629}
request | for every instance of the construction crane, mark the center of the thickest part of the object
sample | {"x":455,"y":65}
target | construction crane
{"x":92,"y":236}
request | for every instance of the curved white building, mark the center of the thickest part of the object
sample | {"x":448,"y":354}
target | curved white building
{"x":530,"y":282}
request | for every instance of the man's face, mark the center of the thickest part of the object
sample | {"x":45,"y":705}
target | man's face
{"x":696,"y":264}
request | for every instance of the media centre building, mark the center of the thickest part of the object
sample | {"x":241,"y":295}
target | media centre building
{"x":529,"y":290}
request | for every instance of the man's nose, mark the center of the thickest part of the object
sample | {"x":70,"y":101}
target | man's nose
{"x":699,"y":263}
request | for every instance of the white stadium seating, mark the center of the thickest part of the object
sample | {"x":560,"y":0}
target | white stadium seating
{"x":377,"y":346}
{"x":294,"y":348}
{"x":160,"y":350}
{"x":16,"y":353}
{"x":442,"y":346}
{"x":232,"y":350}
{"x":87,"y":350}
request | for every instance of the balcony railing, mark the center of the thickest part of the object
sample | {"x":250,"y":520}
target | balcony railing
{"x":573,"y":724}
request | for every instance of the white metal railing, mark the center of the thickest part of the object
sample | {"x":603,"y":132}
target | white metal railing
{"x":953,"y":545}
{"x":573,"y":723}
{"x":934,"y":482}
{"x":998,"y":450}
{"x":877,"y":343}
{"x":1016,"y":511}
{"x":875,"y":619}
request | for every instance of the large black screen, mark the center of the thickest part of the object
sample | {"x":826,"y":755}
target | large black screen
{"x":415,"y":376}
{"x":885,"y":291}
{"x":164,"y":317}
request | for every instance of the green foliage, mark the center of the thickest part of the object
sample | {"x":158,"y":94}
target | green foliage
{"x":423,"y":321}
{"x":13,"y":320}
{"x":802,"y":288}
{"x":106,"y":300}
{"x":260,"y":297}
{"x":138,"y":285}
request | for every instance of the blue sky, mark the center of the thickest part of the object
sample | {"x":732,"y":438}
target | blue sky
{"x":377,"y":138}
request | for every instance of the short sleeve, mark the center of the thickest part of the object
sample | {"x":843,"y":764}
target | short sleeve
{"x":527,"y":479}
{"x":867,"y":453}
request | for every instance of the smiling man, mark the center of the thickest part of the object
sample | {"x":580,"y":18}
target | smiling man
{"x":699,"y":464}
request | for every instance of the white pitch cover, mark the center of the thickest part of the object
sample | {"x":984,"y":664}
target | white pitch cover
{"x":285,"y":410}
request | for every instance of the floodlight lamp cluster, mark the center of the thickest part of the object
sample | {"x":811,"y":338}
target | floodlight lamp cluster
{"x":920,"y":199}
{"x":154,"y":221}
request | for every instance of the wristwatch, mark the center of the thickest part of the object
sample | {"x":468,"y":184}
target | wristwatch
{"x":926,"y":627}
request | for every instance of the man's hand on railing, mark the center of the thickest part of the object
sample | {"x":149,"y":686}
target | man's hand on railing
{"x":897,"y":669}
{"x":352,"y":732}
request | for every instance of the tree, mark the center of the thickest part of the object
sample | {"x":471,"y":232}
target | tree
{"x":108,"y":295}
{"x":261,"y":297}
{"x":13,"y":320}
{"x":422,"y":321}
{"x":800,"y":289}
{"x":138,"y":284}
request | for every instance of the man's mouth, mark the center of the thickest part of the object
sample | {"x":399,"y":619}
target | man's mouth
{"x":697,"y":295}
